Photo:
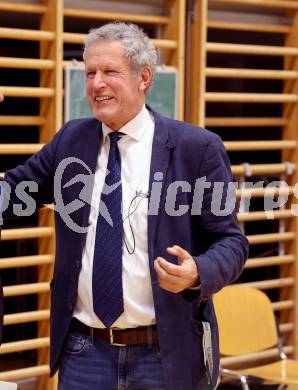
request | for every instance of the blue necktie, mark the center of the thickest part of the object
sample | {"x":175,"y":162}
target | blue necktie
{"x":107,"y":263}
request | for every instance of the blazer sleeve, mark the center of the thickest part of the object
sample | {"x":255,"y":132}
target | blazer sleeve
{"x":37,"y":175}
{"x":226,"y":248}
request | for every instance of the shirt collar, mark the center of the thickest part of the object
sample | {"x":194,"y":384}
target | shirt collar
{"x":134,"y":128}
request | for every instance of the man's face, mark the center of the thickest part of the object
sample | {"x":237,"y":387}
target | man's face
{"x":115,"y":92}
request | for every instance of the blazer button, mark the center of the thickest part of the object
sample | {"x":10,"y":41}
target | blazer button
{"x":78,"y":264}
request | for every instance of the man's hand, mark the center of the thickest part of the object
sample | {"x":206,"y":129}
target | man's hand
{"x":176,"y":278}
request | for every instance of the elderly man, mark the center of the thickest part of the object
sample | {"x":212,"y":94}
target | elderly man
{"x":138,"y":260}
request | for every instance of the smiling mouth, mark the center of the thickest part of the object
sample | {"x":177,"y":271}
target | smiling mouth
{"x":102,"y":98}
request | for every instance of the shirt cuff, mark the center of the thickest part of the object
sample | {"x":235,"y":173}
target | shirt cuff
{"x":196,"y":288}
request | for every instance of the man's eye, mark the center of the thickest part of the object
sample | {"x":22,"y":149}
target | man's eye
{"x":110,"y":71}
{"x":90,"y":74}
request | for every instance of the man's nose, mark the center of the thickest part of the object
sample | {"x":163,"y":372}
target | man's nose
{"x":99,"y":80}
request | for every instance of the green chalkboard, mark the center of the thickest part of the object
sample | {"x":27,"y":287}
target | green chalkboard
{"x":162,"y":95}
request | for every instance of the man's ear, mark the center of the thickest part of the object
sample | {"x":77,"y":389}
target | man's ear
{"x":146,"y":78}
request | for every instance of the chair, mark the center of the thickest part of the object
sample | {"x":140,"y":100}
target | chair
{"x":247,"y":326}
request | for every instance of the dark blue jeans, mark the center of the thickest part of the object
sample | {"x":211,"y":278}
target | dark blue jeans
{"x":97,"y":365}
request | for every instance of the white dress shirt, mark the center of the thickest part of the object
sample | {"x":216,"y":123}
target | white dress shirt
{"x":135,"y":149}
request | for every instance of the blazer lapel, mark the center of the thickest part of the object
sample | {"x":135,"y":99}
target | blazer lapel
{"x":162,"y":148}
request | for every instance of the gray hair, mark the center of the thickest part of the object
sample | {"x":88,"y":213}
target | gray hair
{"x":136,"y":44}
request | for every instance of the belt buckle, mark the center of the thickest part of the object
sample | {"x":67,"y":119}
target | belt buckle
{"x":112,"y":339}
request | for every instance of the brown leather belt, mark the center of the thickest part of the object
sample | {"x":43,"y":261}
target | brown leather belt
{"x":119,"y":337}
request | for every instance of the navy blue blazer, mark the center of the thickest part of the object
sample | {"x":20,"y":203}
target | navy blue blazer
{"x":181,"y":152}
